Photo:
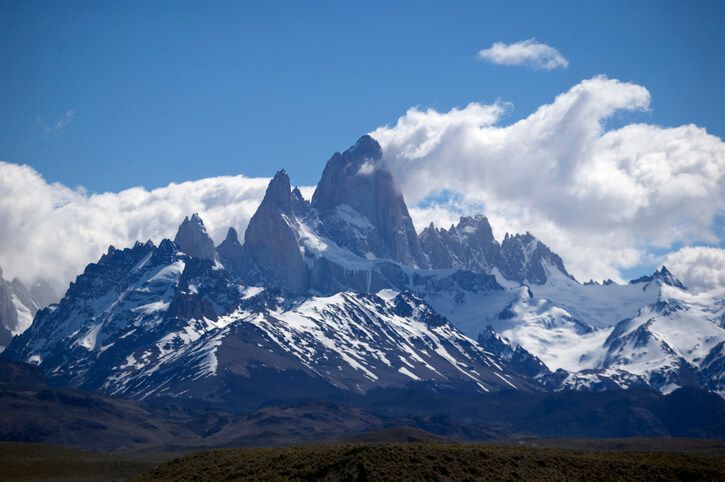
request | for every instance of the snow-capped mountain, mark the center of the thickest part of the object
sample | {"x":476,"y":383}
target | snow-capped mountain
{"x":672,"y":342}
{"x":153,"y":321}
{"x":665,"y":337}
{"x":339,"y":294}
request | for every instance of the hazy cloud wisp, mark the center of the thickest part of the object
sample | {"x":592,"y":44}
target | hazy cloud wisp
{"x":57,"y":126}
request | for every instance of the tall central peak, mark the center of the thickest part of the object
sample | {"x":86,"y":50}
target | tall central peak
{"x":367,"y":147}
{"x":362,"y":207}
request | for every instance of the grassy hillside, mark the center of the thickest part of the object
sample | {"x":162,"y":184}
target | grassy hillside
{"x":666,"y":459}
{"x":417,"y":462}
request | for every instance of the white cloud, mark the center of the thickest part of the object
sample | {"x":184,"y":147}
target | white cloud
{"x":528,"y":53}
{"x":699,"y":268}
{"x":52,"y":231}
{"x":602,"y":199}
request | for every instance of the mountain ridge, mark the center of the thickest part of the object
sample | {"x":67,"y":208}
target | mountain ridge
{"x":341,"y":294}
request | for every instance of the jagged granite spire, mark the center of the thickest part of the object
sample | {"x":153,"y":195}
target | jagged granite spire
{"x":193,"y":239}
{"x":231,"y":253}
{"x":363,"y":209}
{"x":271,"y":241}
{"x":279,"y":192}
{"x":469,"y":245}
{"x":527,"y":260}
{"x":432,"y":244}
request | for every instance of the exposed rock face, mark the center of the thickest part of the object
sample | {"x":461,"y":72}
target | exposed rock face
{"x":193,"y":239}
{"x":470,"y":245}
{"x":231,"y":253}
{"x":271,"y":237}
{"x":432,"y":244}
{"x":362,"y":208}
{"x":526,"y":259}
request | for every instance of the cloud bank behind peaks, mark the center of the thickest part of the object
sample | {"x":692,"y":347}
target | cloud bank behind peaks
{"x":526,"y":53}
{"x":606,"y":200}
{"x":52,"y":231}
{"x":603,"y":199}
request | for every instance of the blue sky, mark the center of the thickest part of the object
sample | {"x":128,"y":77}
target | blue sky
{"x":109,"y":95}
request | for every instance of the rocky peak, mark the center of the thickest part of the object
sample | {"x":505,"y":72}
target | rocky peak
{"x":668,"y":278}
{"x":271,"y":238}
{"x":230,"y":251}
{"x":475,"y":223}
{"x":300,"y":205}
{"x":278,"y":192}
{"x":661,"y":276}
{"x":528,"y":260}
{"x":469,"y":245}
{"x":193,"y":239}
{"x":478,"y":232}
{"x":362,"y":207}
{"x":232,"y":237}
{"x":437,"y":251}
{"x":354,"y":166}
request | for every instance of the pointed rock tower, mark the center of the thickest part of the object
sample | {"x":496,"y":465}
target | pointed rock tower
{"x":363,"y":209}
{"x":193,"y":239}
{"x":271,"y":238}
{"x":231,"y":253}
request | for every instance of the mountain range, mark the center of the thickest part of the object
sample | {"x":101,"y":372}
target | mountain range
{"x":339,"y":295}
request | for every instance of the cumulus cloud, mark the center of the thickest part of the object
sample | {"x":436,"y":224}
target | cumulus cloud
{"x":52,"y":231}
{"x":528,"y":53}
{"x":601,"y":198}
{"x":699,"y":268}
